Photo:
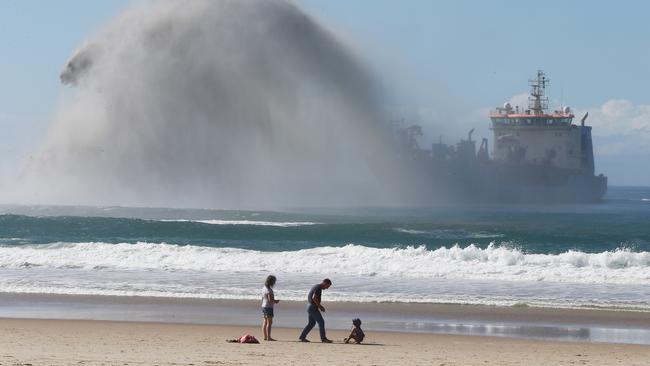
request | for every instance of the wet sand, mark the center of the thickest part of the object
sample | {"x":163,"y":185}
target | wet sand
{"x":587,"y":325}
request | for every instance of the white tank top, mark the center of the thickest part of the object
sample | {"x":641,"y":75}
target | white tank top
{"x":265,"y":299}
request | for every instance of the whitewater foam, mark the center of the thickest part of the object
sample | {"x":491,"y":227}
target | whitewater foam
{"x":248,"y":222}
{"x":245,"y":285}
{"x":240,"y":294}
{"x":495,"y":262}
{"x":450,"y":234}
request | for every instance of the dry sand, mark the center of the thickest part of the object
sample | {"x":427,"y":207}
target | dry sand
{"x":80,"y":342}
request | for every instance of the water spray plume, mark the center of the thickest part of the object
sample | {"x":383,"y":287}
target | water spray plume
{"x":215,"y":104}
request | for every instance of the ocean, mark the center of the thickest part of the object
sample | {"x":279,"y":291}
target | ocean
{"x":565,"y":256}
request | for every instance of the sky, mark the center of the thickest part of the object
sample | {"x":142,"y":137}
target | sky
{"x":443,"y":64}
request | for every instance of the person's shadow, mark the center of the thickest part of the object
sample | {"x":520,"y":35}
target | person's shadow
{"x":352,"y":344}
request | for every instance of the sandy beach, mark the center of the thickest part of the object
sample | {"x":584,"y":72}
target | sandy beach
{"x":75,"y":342}
{"x":100,"y":330}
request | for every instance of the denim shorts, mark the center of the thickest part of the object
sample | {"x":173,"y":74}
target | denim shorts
{"x":268,"y":312}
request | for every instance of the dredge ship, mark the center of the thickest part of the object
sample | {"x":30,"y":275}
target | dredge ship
{"x":538,"y":157}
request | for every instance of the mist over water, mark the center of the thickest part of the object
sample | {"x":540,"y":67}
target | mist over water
{"x":216,"y":104}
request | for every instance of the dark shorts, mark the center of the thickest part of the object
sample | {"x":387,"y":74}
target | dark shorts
{"x":268,"y":312}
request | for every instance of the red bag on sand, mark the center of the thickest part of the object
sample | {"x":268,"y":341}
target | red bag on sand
{"x":247,"y":338}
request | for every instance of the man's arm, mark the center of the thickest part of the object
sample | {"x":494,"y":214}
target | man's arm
{"x":316,"y":301}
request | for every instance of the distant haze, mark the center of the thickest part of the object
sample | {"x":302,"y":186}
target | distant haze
{"x":215,"y":104}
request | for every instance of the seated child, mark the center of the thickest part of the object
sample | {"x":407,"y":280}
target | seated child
{"x":356,"y":333}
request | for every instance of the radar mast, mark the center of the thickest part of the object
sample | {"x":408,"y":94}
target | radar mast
{"x":538,"y":102}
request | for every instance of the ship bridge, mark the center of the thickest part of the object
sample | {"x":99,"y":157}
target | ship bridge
{"x":531,"y":120}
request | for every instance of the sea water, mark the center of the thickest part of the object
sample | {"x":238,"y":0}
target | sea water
{"x":553,"y":256}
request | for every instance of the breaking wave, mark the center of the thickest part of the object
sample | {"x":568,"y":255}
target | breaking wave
{"x":248,"y":222}
{"x":450,"y":234}
{"x":495,"y":262}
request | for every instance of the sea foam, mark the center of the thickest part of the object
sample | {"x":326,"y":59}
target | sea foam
{"x":248,"y":222}
{"x":495,"y":262}
{"x":450,"y":234}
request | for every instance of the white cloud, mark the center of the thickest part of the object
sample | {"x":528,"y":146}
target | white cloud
{"x":621,"y":116}
{"x":620,"y":127}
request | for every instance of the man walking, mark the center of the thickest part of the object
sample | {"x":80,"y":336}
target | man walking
{"x":313,"y":311}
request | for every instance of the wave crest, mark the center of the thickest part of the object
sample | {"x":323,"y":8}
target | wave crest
{"x":248,"y":222}
{"x":495,"y":262}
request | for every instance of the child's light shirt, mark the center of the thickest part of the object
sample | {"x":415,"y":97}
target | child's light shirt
{"x":266,"y":294}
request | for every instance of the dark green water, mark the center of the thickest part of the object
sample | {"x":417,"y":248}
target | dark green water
{"x":621,"y":222}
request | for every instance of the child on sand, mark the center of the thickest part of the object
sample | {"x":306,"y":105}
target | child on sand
{"x":268,"y":300}
{"x":356,"y":333}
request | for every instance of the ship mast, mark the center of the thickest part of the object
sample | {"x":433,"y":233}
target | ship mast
{"x":537,"y":101}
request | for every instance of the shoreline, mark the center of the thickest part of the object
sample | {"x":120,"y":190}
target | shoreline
{"x":581,"y":325}
{"x":89,"y":342}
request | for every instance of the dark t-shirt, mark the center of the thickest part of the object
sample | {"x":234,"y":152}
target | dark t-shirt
{"x":314,"y":290}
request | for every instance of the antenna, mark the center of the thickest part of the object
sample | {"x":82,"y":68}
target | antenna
{"x":538,"y":102}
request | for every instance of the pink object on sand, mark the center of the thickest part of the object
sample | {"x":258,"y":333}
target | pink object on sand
{"x":247,"y":338}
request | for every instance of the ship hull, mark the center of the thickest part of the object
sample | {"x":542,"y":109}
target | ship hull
{"x":576,"y":189}
{"x":494,"y":182}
